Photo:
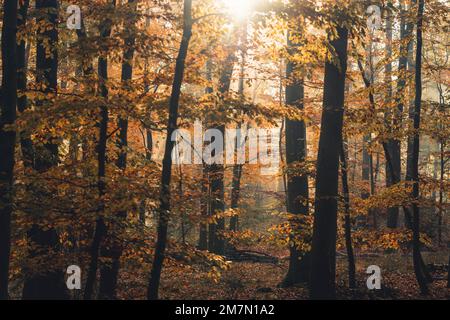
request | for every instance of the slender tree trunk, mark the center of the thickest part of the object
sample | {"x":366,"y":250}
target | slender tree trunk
{"x":347,"y":220}
{"x":22,"y":67}
{"x":48,"y":283}
{"x":448,"y":273}
{"x":217,"y":171}
{"x":297,"y":185}
{"x":148,"y":146}
{"x":7,"y":137}
{"x":392,"y":148}
{"x":164,"y":209}
{"x":394,"y":145}
{"x":100,"y":226}
{"x":366,"y":156}
{"x":112,"y":248}
{"x":323,"y":255}
{"x":203,"y":239}
{"x":441,"y":191}
{"x":237,"y":168}
{"x":413,"y":157}
{"x":205,"y":242}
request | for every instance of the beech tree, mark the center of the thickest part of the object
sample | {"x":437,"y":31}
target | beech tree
{"x":323,"y":253}
{"x":50,"y":284}
{"x":7,"y":136}
{"x":297,"y":184}
{"x":164,"y":207}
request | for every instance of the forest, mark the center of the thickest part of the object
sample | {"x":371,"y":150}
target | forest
{"x":224,"y":149}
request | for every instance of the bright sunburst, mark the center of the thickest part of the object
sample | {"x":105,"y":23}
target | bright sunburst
{"x":239,"y":9}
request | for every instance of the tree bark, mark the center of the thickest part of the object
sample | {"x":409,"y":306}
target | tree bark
{"x":238,"y":168}
{"x":297,"y":185}
{"x":22,"y":68}
{"x":113,"y":247}
{"x":100,"y":226}
{"x":448,"y":273}
{"x":48,"y":284}
{"x":441,"y":190}
{"x":204,"y":201}
{"x":7,"y":137}
{"x":323,"y":255}
{"x":413,"y":156}
{"x":394,"y":145}
{"x":347,"y":220}
{"x":165,"y":193}
{"x":217,"y":171}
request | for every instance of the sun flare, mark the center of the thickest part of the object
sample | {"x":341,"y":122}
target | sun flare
{"x":239,"y":9}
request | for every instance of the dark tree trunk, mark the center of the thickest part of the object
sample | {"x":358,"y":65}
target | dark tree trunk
{"x":441,"y":191}
{"x":448,"y":273}
{"x":367,"y":158}
{"x":48,"y":284}
{"x":323,"y":255}
{"x":7,"y":136}
{"x":394,"y":145}
{"x":204,"y":201}
{"x":238,"y":168}
{"x":235,"y":195}
{"x":217,"y":171}
{"x":297,"y":185}
{"x":164,"y":208}
{"x":22,"y":67}
{"x":413,"y":157}
{"x":347,"y":220}
{"x":392,"y":216}
{"x":113,"y":248}
{"x":204,"y":241}
{"x":100,"y":227}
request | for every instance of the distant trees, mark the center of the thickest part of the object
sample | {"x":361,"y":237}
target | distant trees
{"x":81,"y":181}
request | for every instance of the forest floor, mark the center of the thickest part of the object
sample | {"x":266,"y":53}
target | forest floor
{"x":260,"y":281}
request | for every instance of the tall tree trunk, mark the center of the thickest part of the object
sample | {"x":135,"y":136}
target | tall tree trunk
{"x":165,"y":193}
{"x":347,"y":220}
{"x":366,"y":156}
{"x":441,"y":191}
{"x":388,"y":82}
{"x":100,"y":226}
{"x":22,"y":68}
{"x":394,"y":145}
{"x":204,"y":201}
{"x":112,"y":248}
{"x":148,"y":142}
{"x":413,"y":156}
{"x":237,"y":168}
{"x":49,"y":283}
{"x":217,"y":171}
{"x":204,"y":241}
{"x":297,"y":185}
{"x":323,"y":255}
{"x":7,"y":136}
{"x":448,"y":273}
{"x":148,"y":157}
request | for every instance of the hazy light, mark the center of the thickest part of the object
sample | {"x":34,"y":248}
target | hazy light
{"x":238,"y":9}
